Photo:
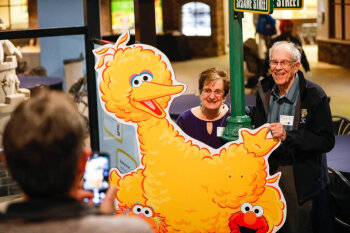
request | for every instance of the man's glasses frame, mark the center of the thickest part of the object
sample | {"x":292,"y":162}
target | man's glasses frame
{"x":284,"y":63}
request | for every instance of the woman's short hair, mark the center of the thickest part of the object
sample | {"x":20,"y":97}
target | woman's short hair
{"x":213,"y":74}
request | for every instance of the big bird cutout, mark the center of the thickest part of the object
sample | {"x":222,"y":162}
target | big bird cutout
{"x":183,"y":185}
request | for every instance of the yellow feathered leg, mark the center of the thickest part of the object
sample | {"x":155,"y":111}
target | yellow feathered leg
{"x":129,"y":187}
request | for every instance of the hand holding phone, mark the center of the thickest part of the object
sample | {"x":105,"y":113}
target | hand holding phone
{"x":96,"y":176}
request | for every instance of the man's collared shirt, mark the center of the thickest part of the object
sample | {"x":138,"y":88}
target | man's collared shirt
{"x":282,"y":108}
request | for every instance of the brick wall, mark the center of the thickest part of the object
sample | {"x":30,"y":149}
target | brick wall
{"x":33,"y":14}
{"x":7,"y":185}
{"x":105,"y":17}
{"x":200,"y":46}
{"x":334,"y":52}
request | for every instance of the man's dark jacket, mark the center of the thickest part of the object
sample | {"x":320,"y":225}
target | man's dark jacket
{"x":312,"y":136}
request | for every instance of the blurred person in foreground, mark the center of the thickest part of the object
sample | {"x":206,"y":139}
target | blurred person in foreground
{"x":45,"y":154}
{"x":207,"y":122}
{"x":299,"y":115}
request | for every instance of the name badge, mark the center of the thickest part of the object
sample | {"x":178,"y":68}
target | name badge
{"x":286,"y":120}
{"x":220,"y":131}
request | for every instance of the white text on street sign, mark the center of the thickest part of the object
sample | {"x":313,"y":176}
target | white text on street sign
{"x":288,"y":4}
{"x":255,"y":6}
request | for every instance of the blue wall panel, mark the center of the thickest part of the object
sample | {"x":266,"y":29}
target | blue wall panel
{"x":54,"y":50}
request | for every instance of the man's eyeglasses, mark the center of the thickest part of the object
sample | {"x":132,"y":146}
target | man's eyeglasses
{"x":284,"y":63}
{"x":218,"y":93}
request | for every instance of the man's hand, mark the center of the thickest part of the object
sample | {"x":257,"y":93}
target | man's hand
{"x":79,"y":193}
{"x":277,"y":131}
{"x":108,"y":204}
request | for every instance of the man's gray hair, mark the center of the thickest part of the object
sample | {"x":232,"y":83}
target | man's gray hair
{"x":294,"y":49}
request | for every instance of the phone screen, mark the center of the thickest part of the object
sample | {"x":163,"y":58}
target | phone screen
{"x":96,"y":176}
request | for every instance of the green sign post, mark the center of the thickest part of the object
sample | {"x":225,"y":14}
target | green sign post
{"x":238,"y":118}
{"x":288,"y":4}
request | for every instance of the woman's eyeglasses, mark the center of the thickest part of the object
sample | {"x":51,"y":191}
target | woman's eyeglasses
{"x":218,"y":93}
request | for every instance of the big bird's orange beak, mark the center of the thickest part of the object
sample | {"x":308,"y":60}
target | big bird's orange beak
{"x":144,"y":97}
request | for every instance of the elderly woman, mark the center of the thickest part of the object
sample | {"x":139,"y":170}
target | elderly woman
{"x":207,"y":121}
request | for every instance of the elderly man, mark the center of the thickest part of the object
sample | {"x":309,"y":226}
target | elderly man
{"x":286,"y":28}
{"x":299,"y":115}
{"x":44,"y":152}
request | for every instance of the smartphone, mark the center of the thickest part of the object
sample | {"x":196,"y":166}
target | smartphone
{"x":96,"y":176}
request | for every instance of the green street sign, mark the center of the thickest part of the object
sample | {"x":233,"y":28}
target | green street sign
{"x":254,"y":6}
{"x":288,"y":4}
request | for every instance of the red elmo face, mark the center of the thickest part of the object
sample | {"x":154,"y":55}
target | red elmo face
{"x":249,"y":217}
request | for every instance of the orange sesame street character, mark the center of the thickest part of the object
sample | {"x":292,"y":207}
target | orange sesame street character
{"x":147,"y":213}
{"x":249,"y":217}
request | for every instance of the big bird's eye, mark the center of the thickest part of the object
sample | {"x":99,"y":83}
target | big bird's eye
{"x":246,"y":207}
{"x":146,"y":77}
{"x":258,"y":210}
{"x":137,"y":209}
{"x":136,"y":81}
{"x":148,"y":212}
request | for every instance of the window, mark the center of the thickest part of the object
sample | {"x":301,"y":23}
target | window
{"x":196,"y":19}
{"x":122,"y":14}
{"x":339,"y":18}
{"x":14,"y":14}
